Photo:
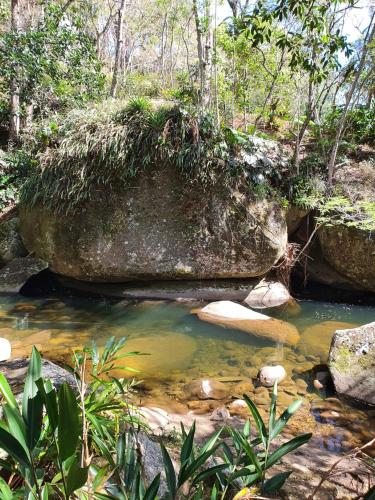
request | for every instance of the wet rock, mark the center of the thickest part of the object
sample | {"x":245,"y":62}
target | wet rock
{"x":267,"y":295}
{"x":317,"y":384}
{"x":5,"y":349}
{"x":152,"y":462}
{"x":237,"y":404}
{"x":243,"y":387}
{"x":199,"y":407}
{"x":230,"y":314}
{"x":268,"y":375}
{"x":352,"y":363}
{"x":220,"y":414}
{"x":15,"y":372}
{"x":14,"y":275}
{"x":207,"y":389}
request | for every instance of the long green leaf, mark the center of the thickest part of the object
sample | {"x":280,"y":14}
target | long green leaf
{"x":285,"y":416}
{"x":14,"y":448}
{"x":287,"y":448}
{"x":68,"y":428}
{"x":7,"y":393}
{"x":276,"y":482}
{"x":34,"y":417}
{"x":209,"y":472}
{"x":272,"y":417}
{"x":34,"y":373}
{"x":77,"y":477}
{"x":188,"y":471}
{"x":5,"y":491}
{"x":187,"y":447}
{"x":152,"y":490}
{"x":258,"y":420}
{"x":16,"y":425}
{"x":169,"y":472}
{"x":49,"y":396}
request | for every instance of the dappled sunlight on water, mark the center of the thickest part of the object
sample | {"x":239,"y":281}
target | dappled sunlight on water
{"x":181,"y":348}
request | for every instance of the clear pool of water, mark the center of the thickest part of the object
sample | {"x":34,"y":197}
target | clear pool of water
{"x":183,"y":348}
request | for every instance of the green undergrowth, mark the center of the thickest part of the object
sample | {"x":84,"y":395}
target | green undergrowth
{"x":332,"y":207}
{"x":111,"y":143}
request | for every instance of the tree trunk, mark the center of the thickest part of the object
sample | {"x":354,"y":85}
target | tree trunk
{"x":204,"y":46}
{"x":119,"y":44}
{"x":14,"y":126}
{"x":349,"y":95}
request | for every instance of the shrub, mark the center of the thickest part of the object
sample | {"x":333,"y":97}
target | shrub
{"x":67,"y":444}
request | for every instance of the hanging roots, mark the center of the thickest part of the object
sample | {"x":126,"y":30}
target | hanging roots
{"x":283,"y":268}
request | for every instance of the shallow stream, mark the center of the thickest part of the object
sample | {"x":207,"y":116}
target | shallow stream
{"x":182,"y":348}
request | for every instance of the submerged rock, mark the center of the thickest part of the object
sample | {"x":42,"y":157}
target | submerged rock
{"x":206,"y":389}
{"x":268,"y":294}
{"x":316,"y":339}
{"x":351,"y":252}
{"x":159,"y":227}
{"x":232,"y":315}
{"x":161,"y":353}
{"x":268,"y":375}
{"x":352,"y":363}
{"x":18,"y":272}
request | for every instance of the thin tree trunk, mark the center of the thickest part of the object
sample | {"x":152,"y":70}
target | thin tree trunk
{"x":204,"y":46}
{"x":301,"y":133}
{"x":206,"y":97}
{"x":341,"y":124}
{"x":119,"y":43}
{"x":14,"y":126}
{"x":199,"y":30}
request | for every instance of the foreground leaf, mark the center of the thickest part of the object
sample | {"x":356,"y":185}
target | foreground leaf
{"x":276,"y":482}
{"x":68,"y":428}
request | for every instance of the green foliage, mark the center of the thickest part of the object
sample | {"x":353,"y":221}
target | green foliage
{"x":52,"y":439}
{"x":248,"y":458}
{"x":53,"y":62}
{"x":98,"y":146}
{"x":360,"y":127}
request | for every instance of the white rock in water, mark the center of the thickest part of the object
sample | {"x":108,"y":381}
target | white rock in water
{"x":5,"y":349}
{"x":233,"y":315}
{"x":268,"y":294}
{"x":268,"y":375}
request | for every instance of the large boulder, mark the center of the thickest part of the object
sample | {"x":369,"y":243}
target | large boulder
{"x":352,"y":363}
{"x":232,"y":315}
{"x":11,"y":245}
{"x":351,"y":252}
{"x":159,"y":227}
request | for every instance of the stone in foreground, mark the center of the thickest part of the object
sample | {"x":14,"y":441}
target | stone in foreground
{"x":268,"y":375}
{"x":14,"y":276}
{"x":352,"y":363}
{"x":232,"y":315}
{"x":207,"y":389}
{"x":268,"y":294}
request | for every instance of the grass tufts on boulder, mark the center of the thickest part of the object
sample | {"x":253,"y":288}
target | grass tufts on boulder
{"x":109,"y":143}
